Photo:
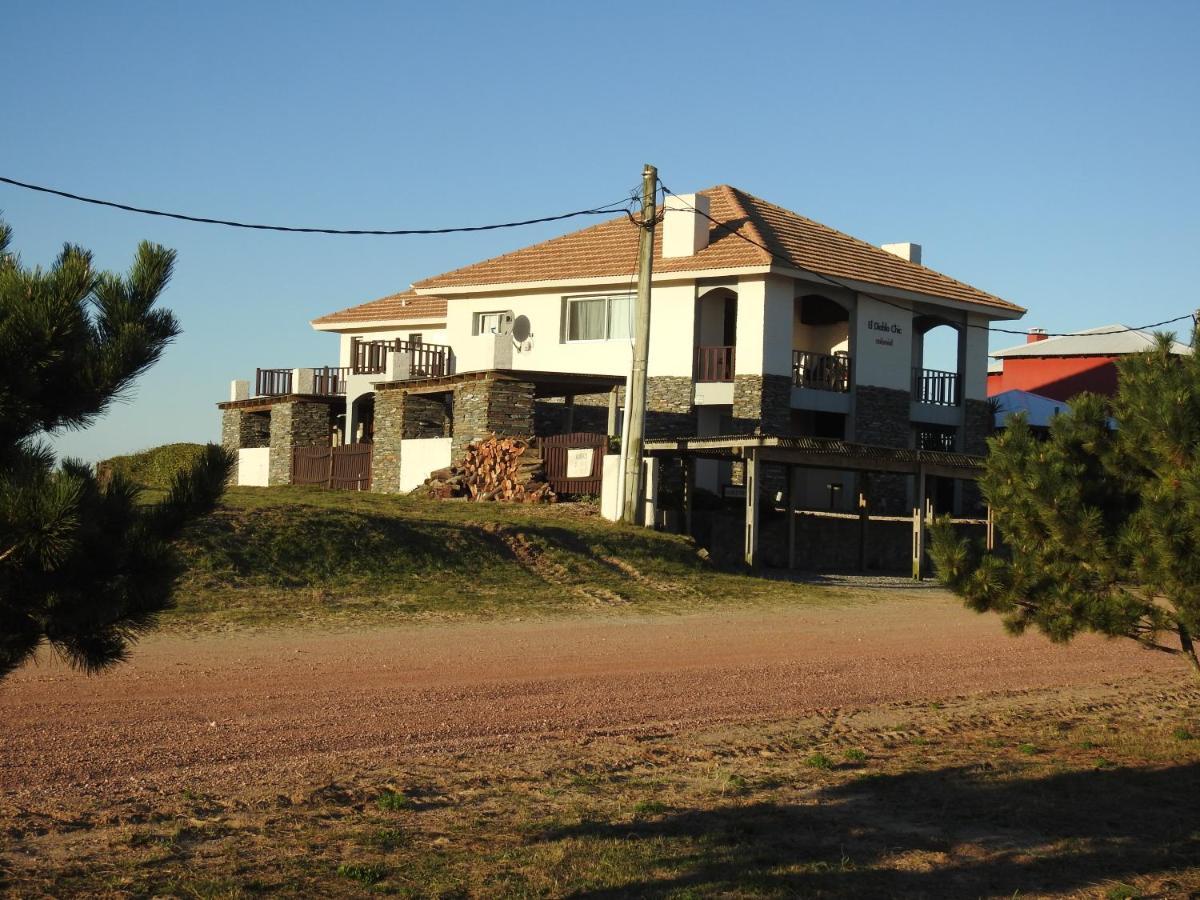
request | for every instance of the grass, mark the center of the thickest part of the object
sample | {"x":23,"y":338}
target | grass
{"x":295,"y":555}
{"x":393,"y":801}
{"x":667,"y":816}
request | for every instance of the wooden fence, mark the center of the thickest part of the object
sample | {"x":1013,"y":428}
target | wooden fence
{"x":557,"y":453}
{"x":346,"y":468}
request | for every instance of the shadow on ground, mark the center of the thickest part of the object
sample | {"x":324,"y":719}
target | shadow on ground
{"x":952,"y":832}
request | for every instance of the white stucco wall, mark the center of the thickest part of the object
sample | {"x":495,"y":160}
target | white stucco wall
{"x":764,"y":325}
{"x":419,"y":457}
{"x":976,"y":363}
{"x":882,"y":339}
{"x":253,"y":466}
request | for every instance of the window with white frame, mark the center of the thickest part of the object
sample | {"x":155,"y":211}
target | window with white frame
{"x":604,"y":318}
{"x":489,"y":322}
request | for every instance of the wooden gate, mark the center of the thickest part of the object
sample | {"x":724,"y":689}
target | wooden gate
{"x":566,"y":455}
{"x":346,"y":468}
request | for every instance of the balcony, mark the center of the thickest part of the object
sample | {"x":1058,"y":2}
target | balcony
{"x":328,"y":381}
{"x":821,"y":371}
{"x":423,"y":360}
{"x":935,"y":387}
{"x":714,"y":364}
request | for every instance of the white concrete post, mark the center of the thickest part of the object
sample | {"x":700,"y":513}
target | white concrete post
{"x":751,"y":485}
{"x":239,"y":390}
{"x":304,"y":381}
{"x":650,"y":470}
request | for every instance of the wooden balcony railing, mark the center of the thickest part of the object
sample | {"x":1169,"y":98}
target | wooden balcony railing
{"x":935,"y":386}
{"x":272,"y":382}
{"x":330,"y":381}
{"x":714,"y":364}
{"x":425,"y":360}
{"x":822,"y":371}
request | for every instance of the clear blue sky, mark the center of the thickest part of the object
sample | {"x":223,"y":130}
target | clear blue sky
{"x":1046,"y":152}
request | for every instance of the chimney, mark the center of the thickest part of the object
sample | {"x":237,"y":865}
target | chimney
{"x":906,"y":250}
{"x":685,"y":233}
{"x":1035,"y":335}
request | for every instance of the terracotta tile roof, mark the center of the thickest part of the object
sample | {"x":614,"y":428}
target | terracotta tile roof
{"x":396,"y":307}
{"x":610,"y":248}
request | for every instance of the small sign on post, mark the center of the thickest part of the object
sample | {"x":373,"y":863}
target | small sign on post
{"x":579,"y":462}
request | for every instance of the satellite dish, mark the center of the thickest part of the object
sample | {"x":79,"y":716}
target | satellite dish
{"x":521,"y":329}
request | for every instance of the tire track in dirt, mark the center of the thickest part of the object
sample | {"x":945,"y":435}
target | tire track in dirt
{"x":534,"y":560}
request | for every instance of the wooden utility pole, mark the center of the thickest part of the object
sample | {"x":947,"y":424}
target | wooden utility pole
{"x":635,"y":394}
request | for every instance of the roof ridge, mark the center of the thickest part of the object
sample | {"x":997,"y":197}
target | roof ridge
{"x":735,"y":198}
{"x":860,"y":242}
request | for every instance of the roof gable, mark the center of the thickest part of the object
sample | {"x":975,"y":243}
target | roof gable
{"x":405,"y":306}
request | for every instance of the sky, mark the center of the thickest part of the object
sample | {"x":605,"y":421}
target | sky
{"x":1044,"y":152}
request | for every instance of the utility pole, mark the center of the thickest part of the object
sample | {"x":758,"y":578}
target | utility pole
{"x":635,"y":391}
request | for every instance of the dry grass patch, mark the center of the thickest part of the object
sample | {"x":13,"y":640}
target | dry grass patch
{"x":1105,"y":807}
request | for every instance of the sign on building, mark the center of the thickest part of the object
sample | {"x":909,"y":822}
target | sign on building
{"x":579,"y":462}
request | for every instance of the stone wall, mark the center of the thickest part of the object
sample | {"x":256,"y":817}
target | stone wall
{"x":245,"y":430}
{"x":425,"y":416}
{"x":669,"y":409}
{"x":763,"y":404}
{"x":591,"y":414}
{"x":978,"y":422}
{"x":504,"y":408}
{"x":296,"y":423}
{"x":881,"y":418}
{"x":977,"y":427}
{"x":389,"y":430}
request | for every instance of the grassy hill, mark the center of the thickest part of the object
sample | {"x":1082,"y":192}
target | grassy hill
{"x":153,"y":468}
{"x":287,"y":555}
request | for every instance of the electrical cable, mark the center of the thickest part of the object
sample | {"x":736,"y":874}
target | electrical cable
{"x":834,"y":281}
{"x":605,"y":210}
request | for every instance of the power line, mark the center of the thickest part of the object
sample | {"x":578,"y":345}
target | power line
{"x":606,"y":210}
{"x":837,"y":283}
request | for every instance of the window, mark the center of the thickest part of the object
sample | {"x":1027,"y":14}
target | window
{"x":599,"y":318}
{"x":489,"y":322}
{"x":416,"y":338}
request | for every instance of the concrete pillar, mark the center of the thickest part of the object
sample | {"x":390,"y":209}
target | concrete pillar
{"x":753,"y":501}
{"x":239,"y":390}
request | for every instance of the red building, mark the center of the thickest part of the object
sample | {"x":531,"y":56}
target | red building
{"x":1061,"y":367}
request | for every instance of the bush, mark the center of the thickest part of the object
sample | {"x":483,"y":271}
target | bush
{"x":153,"y":468}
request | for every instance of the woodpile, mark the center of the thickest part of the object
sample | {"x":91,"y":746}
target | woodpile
{"x":509,"y":469}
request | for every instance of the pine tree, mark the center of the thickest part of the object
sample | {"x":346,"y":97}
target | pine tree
{"x":1100,"y":526}
{"x":83,"y":568}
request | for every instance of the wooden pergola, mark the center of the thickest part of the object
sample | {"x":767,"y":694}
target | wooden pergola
{"x":817,"y":453}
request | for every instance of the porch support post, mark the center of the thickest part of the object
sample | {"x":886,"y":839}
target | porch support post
{"x":570,"y":404}
{"x":792,"y":472}
{"x":991,"y":530}
{"x":919,"y":526}
{"x":612,"y":412}
{"x":689,"y":491}
{"x":864,"y":518}
{"x":753,"y":470}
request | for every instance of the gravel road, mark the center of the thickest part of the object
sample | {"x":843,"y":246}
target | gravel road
{"x":208,"y":712}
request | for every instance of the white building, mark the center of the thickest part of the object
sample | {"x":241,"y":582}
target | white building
{"x":762,"y":320}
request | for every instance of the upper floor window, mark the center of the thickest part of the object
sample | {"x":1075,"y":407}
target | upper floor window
{"x":599,"y":318}
{"x":489,"y":322}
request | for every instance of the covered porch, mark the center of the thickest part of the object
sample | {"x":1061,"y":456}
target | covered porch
{"x":796,"y":454}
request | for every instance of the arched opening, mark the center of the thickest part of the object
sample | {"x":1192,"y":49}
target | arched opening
{"x":362,"y":420}
{"x":937,"y":361}
{"x":716,"y":335}
{"x":820,"y":344}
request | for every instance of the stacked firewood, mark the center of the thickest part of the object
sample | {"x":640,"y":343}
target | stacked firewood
{"x":494,"y":469}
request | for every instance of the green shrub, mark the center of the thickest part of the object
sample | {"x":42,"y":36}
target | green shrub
{"x":153,"y":468}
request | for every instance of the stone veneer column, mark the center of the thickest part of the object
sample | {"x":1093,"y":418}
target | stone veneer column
{"x":241,"y":430}
{"x":669,"y":408}
{"x":389,"y":431}
{"x":493,"y":406}
{"x":978,"y":424}
{"x":763,"y":403}
{"x":881,"y":418}
{"x":295,"y":423}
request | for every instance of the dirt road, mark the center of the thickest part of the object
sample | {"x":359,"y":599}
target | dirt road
{"x":197,"y":712}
